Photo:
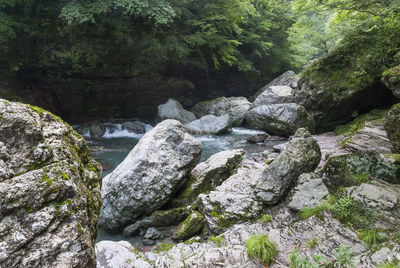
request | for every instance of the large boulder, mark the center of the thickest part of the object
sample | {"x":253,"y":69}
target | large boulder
{"x":391,"y":78}
{"x":235,"y":107}
{"x":301,"y":155}
{"x":172,"y":109}
{"x":209,"y":124}
{"x":49,"y":191}
{"x":280,"y":119}
{"x":392,"y":125}
{"x":274,"y":95}
{"x":287,"y":79}
{"x":149,"y":175}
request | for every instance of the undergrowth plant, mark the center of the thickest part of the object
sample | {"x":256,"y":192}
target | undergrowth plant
{"x":261,"y":247}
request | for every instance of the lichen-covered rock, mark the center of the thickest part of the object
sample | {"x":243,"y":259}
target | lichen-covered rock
{"x":209,"y":174}
{"x":120,"y":254}
{"x":49,"y":191}
{"x":149,"y":175}
{"x":392,"y":125}
{"x":301,"y":155}
{"x":309,"y":192}
{"x":209,"y":124}
{"x":274,"y":95}
{"x":191,"y":226}
{"x":288,"y":79}
{"x":235,"y":107}
{"x":280,"y":119}
{"x":354,"y":168}
{"x":172,"y":109}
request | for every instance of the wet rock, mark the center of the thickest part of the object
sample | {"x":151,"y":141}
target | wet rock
{"x":151,"y":236}
{"x":149,"y":175}
{"x":172,"y":109}
{"x":96,"y":130}
{"x":209,"y":124}
{"x":235,"y":107}
{"x":288,"y":79}
{"x":49,"y":191}
{"x":191,"y":226}
{"x":392,"y":125}
{"x":258,"y":138}
{"x":309,"y":192}
{"x":135,"y":127}
{"x":274,"y":95}
{"x":280,"y":119}
{"x":120,"y":254}
{"x":302,"y":155}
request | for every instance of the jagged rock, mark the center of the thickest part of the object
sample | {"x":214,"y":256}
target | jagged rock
{"x":329,"y":143}
{"x":172,"y":109}
{"x":389,"y":253}
{"x":49,"y":191}
{"x":377,"y":194}
{"x":391,"y":78}
{"x":135,"y":127}
{"x":280,"y":119}
{"x":274,"y":95}
{"x":372,"y":137}
{"x":235,"y":107}
{"x":309,"y":192}
{"x":209,"y":174}
{"x":120,"y":254}
{"x":209,"y":124}
{"x":234,"y":200}
{"x":302,"y":155}
{"x":258,"y":138}
{"x":191,"y":226}
{"x":392,"y":125}
{"x":96,"y":130}
{"x":149,"y":175}
{"x":151,"y":235}
{"x":346,"y":170}
{"x":288,"y":79}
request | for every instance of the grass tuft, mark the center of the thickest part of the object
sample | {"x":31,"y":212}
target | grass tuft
{"x":261,"y":247}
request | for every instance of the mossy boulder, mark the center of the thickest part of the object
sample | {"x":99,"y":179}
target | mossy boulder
{"x":391,"y":78}
{"x":392,"y":125}
{"x":191,"y":226}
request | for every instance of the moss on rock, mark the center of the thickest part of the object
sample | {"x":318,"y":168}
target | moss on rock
{"x":191,"y":226}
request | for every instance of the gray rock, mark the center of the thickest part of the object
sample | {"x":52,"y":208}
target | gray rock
{"x":280,"y":119}
{"x":191,"y":226}
{"x":135,"y":127}
{"x":209,"y":124}
{"x":302,"y":155}
{"x":391,"y":78}
{"x":289,"y":79}
{"x":151,"y":235}
{"x":172,"y":109}
{"x":274,"y":95}
{"x":49,"y":191}
{"x":309,"y":192}
{"x":258,"y":138}
{"x":96,"y":130}
{"x":392,"y":125}
{"x":149,"y":175}
{"x":120,"y":254}
{"x":209,"y":174}
{"x":235,"y":107}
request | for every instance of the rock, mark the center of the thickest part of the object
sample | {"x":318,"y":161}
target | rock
{"x":49,"y":191}
{"x":235,"y":107}
{"x":376,"y":195}
{"x":96,"y":130}
{"x":135,"y":127}
{"x":288,"y":79}
{"x":234,"y":200}
{"x":209,"y":174}
{"x":391,"y":78}
{"x":149,"y":175}
{"x":172,"y":109}
{"x":354,"y":168}
{"x":159,"y":218}
{"x":120,"y":254}
{"x":372,"y":137}
{"x":309,"y":192}
{"x":329,"y":143}
{"x":258,"y":138}
{"x":302,"y":155}
{"x":280,"y":119}
{"x":274,"y":95}
{"x":392,"y":125}
{"x":151,"y":235}
{"x":189,"y":227}
{"x":209,"y":124}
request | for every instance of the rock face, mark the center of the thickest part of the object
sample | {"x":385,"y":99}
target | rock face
{"x":287,"y":79}
{"x":309,"y":192}
{"x":149,"y":175}
{"x":172,"y":109}
{"x":235,"y":107}
{"x":210,"y":174}
{"x":392,"y":125}
{"x":209,"y":124}
{"x":49,"y":191}
{"x":274,"y":95}
{"x":302,"y":155}
{"x":280,"y":119}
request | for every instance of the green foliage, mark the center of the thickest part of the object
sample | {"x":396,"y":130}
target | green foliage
{"x":312,"y":243}
{"x":261,"y":247}
{"x":265,"y":218}
{"x":371,"y":237}
{"x":163,"y":247}
{"x":218,"y":240}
